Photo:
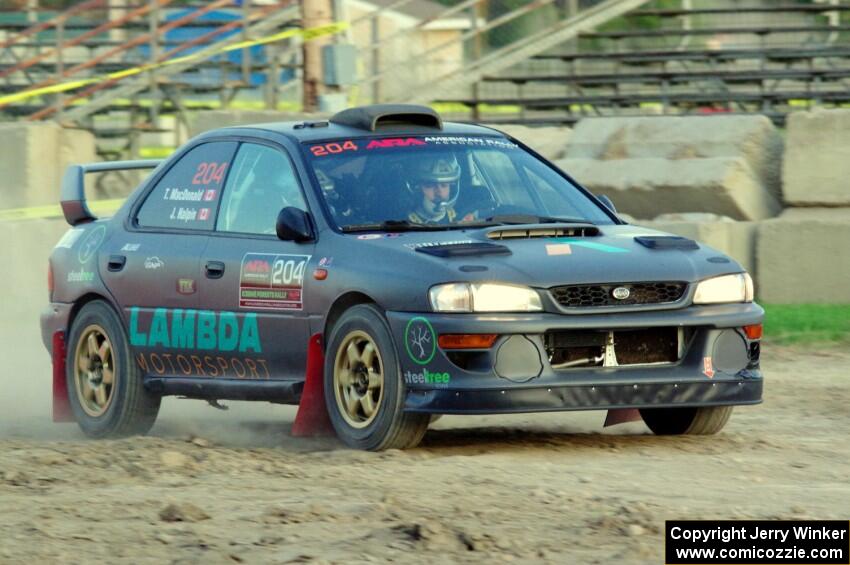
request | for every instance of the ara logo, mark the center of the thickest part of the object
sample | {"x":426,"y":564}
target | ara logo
{"x":420,"y":341}
{"x":426,"y":377}
{"x":193,"y":329}
{"x":257,"y":266}
{"x":394,"y":142}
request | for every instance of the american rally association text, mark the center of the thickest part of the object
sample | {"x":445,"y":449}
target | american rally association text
{"x":726,"y":534}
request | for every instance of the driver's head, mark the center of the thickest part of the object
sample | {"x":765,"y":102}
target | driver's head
{"x":436,"y":191}
{"x":437,"y":180}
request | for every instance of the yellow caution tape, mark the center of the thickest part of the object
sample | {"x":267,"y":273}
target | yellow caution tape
{"x":98,"y":207}
{"x":306,"y":35}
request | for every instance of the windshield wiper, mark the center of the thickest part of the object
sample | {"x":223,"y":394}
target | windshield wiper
{"x":511,"y":219}
{"x":397,"y":226}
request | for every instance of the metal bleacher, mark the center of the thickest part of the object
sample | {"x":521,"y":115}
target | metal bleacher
{"x":93,"y":38}
{"x":746,"y":56}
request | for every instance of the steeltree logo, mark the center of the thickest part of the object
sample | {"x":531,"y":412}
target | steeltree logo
{"x":91,"y":243}
{"x":420,"y":341}
{"x":426,"y":377}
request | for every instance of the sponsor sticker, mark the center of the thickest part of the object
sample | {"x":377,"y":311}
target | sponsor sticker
{"x":394,"y":142}
{"x":153,"y":263}
{"x":81,"y":276}
{"x":70,"y":238}
{"x":593,"y":245}
{"x":707,"y":367}
{"x":370,"y":236}
{"x":90,"y":244}
{"x":426,"y":377}
{"x":198,"y":343}
{"x":272,"y":282}
{"x":131,"y":247}
{"x":558,"y":249}
{"x":473,"y":141}
{"x":420,"y":341}
{"x":186,"y":286}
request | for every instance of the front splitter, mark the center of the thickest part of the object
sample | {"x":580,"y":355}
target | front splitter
{"x":585,"y":397}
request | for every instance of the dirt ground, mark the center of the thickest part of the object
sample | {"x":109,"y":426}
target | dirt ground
{"x":219,"y":487}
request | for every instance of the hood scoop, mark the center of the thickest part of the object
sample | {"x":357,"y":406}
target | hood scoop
{"x":543,"y":232}
{"x":667,"y":242}
{"x":464,"y":249}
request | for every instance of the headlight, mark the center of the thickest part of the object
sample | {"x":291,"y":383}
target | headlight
{"x":484,"y":297}
{"x":728,"y":288}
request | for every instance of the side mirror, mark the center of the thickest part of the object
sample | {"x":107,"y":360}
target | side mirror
{"x":293,"y":224}
{"x":607,"y":201}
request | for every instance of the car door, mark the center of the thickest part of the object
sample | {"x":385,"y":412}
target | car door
{"x":153,"y":268}
{"x":252,"y":275}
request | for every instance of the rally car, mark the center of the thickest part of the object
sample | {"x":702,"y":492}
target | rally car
{"x":440,"y":268}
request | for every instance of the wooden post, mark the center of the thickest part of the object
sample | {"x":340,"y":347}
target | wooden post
{"x":246,"y":53}
{"x":153,"y":25}
{"x":314,"y":13}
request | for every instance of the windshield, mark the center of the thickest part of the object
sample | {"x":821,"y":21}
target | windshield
{"x":442,"y":182}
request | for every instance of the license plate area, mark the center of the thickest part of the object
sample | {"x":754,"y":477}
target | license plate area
{"x":614,"y":348}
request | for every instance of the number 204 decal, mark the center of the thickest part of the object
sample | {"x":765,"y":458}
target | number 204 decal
{"x":272,"y":282}
{"x":332,"y":148}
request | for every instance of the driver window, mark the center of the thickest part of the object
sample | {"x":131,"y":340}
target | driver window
{"x":261,"y":183}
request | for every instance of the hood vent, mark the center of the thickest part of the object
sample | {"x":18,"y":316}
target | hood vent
{"x":464,"y":249}
{"x":538,"y":233}
{"x":667,"y":242}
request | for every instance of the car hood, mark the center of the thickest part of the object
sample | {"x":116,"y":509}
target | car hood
{"x":612,"y":255}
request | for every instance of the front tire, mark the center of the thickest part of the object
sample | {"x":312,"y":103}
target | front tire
{"x":105,"y":387}
{"x":707,"y":420}
{"x":364,"y":393}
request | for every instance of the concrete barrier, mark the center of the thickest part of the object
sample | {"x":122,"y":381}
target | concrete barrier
{"x":551,"y":142}
{"x":816,"y":168}
{"x":646,"y":186}
{"x":33,"y":157}
{"x":736,"y":239}
{"x":728,"y":165}
{"x":804,"y":257}
{"x":24,"y":291}
{"x":213,"y":119}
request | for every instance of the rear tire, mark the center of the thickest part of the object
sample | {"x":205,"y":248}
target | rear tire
{"x":364,"y":392}
{"x":686,"y":421}
{"x":105,"y":387}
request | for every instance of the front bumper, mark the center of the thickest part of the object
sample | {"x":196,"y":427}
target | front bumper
{"x":720,"y":366}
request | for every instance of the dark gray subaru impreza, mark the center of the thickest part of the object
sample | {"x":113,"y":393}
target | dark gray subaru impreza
{"x":438,"y":268}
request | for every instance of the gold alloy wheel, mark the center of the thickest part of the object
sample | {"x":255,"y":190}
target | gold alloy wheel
{"x":94,"y":370}
{"x":358,"y":379}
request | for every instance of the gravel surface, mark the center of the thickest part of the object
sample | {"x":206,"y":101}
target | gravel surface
{"x":223,"y":487}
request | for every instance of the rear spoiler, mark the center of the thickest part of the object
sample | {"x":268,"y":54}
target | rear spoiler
{"x":73,"y":197}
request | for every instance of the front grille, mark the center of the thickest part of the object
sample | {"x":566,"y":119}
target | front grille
{"x":590,"y":295}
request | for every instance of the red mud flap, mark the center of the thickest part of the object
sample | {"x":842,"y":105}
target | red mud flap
{"x":312,"y":418}
{"x":621,"y":416}
{"x":61,"y":404}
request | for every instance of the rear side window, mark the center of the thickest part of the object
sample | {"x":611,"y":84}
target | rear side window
{"x":262,"y":182}
{"x":187,"y":196}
